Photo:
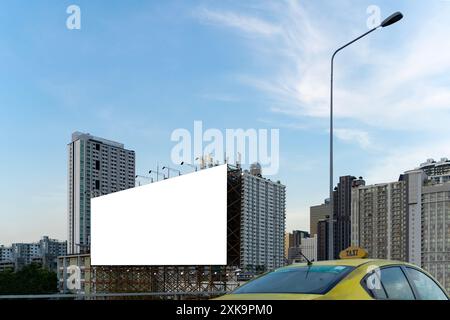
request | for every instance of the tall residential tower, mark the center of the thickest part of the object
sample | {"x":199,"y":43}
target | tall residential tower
{"x":263,"y":214}
{"x":96,"y":167}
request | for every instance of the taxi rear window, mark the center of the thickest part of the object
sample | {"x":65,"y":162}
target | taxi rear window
{"x":305,"y":280}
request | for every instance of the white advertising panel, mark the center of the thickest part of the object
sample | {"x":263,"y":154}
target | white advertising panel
{"x":177,"y":221}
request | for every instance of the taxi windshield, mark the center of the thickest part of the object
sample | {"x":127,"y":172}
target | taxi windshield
{"x":306,"y":280}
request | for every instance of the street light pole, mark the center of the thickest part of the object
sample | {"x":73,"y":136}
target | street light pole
{"x":157,"y":174}
{"x":387,"y":22}
{"x":171,"y":169}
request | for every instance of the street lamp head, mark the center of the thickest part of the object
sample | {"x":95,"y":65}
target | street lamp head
{"x":163,"y":168}
{"x":393,"y":18}
{"x":182,"y":162}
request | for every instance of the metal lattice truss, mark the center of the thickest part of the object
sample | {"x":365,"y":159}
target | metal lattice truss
{"x":190,"y":279}
{"x":234,"y":195}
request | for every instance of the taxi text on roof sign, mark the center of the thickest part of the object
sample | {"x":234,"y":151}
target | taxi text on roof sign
{"x":353,"y":253}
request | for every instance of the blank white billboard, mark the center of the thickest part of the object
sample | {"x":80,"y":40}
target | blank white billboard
{"x":177,"y":221}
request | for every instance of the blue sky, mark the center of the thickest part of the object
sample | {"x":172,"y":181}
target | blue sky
{"x":137,"y":70}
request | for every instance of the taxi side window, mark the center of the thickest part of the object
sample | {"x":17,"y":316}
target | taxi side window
{"x":396,"y":285}
{"x":374,"y":286}
{"x":426,"y":287}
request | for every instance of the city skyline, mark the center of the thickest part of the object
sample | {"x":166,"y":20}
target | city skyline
{"x":135,"y":73}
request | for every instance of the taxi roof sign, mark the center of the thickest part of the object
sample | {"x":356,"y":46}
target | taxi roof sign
{"x":353,"y":253}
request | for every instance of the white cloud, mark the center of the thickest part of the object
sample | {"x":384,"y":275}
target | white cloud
{"x":250,"y":25}
{"x":398,"y":92}
{"x":353,"y":135}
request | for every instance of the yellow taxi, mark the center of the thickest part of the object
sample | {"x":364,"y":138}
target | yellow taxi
{"x":353,"y":277}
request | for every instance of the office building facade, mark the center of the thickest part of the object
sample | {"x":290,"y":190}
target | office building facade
{"x":288,"y":243}
{"x":342,"y":212}
{"x":96,"y":167}
{"x":309,"y":248}
{"x":322,"y":239}
{"x":298,"y":236}
{"x":316,"y":213}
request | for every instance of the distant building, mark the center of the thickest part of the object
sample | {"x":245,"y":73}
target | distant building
{"x":379,"y":220}
{"x":6,"y":254}
{"x":263,"y":214}
{"x":288,"y":243}
{"x":43,"y":252}
{"x":52,"y":247}
{"x":407,"y":220}
{"x":309,"y":248}
{"x":420,"y":182}
{"x":96,"y":167}
{"x":435,"y":227}
{"x":298,"y":236}
{"x":50,"y":250}
{"x":342,"y":212}
{"x":414,"y":179}
{"x":24,"y":253}
{"x":437,"y":171}
{"x":292,"y":245}
{"x":294,"y":255}
{"x":322,"y":239}
{"x":317,"y":213}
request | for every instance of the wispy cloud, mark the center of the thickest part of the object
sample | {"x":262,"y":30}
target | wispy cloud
{"x":399,"y":82}
{"x":247,"y":24}
{"x":353,"y":135}
{"x":402,"y":88}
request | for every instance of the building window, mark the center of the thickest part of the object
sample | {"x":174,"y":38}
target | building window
{"x":97,"y":184}
{"x":97,"y":164}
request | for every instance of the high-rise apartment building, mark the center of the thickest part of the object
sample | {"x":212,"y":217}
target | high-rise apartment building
{"x":263,"y":214}
{"x":379,"y":220}
{"x":414,"y":179}
{"x":435,"y":226}
{"x":316,"y":213}
{"x":429,"y":173}
{"x":96,"y":167}
{"x":437,"y":171}
{"x":342,"y":212}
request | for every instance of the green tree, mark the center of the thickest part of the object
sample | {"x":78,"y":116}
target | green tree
{"x":32,"y":279}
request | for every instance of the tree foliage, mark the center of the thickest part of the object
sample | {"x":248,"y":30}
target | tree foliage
{"x":32,"y":279}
